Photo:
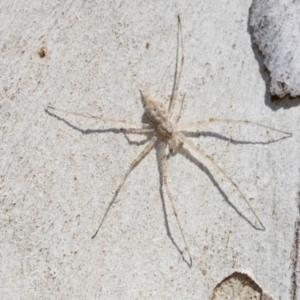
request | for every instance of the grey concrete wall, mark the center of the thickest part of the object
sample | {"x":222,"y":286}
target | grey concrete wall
{"x":56,"y":182}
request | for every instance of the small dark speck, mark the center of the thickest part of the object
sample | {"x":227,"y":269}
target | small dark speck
{"x":42,"y":52}
{"x":234,"y":46}
{"x":147,"y":46}
{"x":75,"y":178}
{"x":281,"y":85}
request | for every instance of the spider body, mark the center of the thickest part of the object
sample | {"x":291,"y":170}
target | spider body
{"x":160,"y":120}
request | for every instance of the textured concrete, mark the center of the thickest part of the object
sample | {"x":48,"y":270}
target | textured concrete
{"x":56,"y":181}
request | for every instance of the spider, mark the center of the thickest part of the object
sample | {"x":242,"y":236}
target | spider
{"x":164,"y":132}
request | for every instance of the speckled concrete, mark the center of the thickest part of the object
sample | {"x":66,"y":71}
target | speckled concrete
{"x":56,"y":180}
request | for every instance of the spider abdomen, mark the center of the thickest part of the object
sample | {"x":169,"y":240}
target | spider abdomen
{"x":156,"y":112}
{"x":158,"y":115}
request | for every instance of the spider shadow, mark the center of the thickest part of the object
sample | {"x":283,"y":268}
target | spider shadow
{"x":187,"y":154}
{"x":163,"y":202}
{"x":212,"y":134}
{"x":90,"y":131}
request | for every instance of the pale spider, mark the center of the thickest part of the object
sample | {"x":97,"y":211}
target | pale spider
{"x":164,"y":131}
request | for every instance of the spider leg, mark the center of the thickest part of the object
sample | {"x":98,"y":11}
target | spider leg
{"x":186,"y":141}
{"x":140,"y":157}
{"x":182,"y":108}
{"x":164,"y":168}
{"x":129,"y":127}
{"x":177,"y":77}
{"x":138,"y":130}
{"x":197,"y":125}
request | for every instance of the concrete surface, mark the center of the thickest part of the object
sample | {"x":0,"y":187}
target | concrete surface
{"x":56,"y":182}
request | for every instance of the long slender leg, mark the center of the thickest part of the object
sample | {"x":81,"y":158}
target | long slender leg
{"x":181,"y":110}
{"x":138,"y":130}
{"x":177,"y":77}
{"x":197,"y":125}
{"x":164,"y":168}
{"x":142,"y":155}
{"x":199,"y":151}
{"x":123,"y":124}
